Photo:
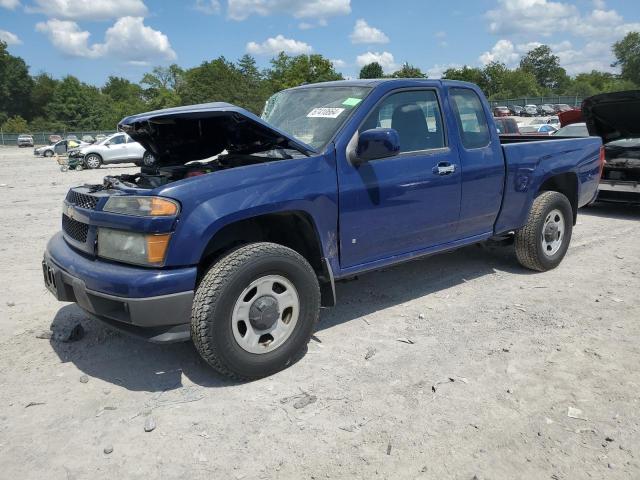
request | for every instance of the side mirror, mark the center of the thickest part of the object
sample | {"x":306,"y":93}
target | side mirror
{"x":377,"y":143}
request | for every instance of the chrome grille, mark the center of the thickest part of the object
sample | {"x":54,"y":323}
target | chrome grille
{"x":82,"y":200}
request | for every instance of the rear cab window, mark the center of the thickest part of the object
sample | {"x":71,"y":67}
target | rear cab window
{"x":470,"y":117}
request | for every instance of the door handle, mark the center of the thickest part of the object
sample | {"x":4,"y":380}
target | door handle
{"x":444,"y":168}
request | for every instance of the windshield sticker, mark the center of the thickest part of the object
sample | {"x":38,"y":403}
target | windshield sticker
{"x":351,"y":102}
{"x":325,"y":112}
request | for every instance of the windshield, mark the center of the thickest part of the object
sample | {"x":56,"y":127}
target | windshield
{"x":313,"y":115}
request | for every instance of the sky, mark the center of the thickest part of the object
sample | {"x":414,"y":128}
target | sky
{"x":93,"y":39}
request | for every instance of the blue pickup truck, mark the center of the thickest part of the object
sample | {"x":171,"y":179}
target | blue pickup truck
{"x":236,"y":236}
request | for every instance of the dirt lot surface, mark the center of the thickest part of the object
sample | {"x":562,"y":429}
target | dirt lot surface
{"x":458,"y":366}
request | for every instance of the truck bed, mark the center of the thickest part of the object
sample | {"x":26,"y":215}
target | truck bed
{"x":506,"y":139}
{"x":531,"y":159}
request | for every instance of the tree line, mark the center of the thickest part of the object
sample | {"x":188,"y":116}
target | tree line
{"x":42,"y":103}
{"x":539,"y":74}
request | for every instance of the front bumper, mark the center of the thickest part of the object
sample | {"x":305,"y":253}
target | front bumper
{"x":151,"y":303}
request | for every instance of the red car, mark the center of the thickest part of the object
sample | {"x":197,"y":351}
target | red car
{"x":501,"y":112}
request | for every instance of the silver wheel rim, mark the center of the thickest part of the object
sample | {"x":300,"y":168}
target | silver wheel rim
{"x":552,"y":232}
{"x":148,"y":160}
{"x":265,"y":314}
{"x":92,"y":161}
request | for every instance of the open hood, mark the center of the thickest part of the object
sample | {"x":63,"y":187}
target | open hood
{"x":195,"y":132}
{"x":613,"y":116}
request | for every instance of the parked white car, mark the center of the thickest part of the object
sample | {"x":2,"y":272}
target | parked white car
{"x":61,"y":147}
{"x":117,"y":148}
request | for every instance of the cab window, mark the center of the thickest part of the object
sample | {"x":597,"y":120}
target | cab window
{"x":415,"y":115}
{"x":472,"y":122}
{"x":117,"y":140}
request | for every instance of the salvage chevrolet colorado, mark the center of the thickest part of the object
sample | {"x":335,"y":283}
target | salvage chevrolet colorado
{"x":238,"y":233}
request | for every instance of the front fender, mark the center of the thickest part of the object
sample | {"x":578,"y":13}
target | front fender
{"x":211,"y":202}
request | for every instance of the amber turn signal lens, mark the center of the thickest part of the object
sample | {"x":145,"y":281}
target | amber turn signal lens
{"x":157,"y":247}
{"x":162,"y":207}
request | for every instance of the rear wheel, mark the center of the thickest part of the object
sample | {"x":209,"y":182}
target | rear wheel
{"x":254,"y":311}
{"x":93,"y":160}
{"x":543,"y":242}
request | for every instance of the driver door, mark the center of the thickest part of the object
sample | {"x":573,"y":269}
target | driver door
{"x":404,"y":203}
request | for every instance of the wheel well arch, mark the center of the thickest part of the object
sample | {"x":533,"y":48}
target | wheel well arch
{"x":293,"y":229}
{"x":567,"y":184}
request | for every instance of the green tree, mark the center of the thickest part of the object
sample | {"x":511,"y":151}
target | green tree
{"x":545,"y":66}
{"x":466,"y":74}
{"x":287,"y":71}
{"x":254,"y":87}
{"x":627,"y":52}
{"x":162,"y":86}
{"x":408,"y":71}
{"x":79,"y":106}
{"x":122,"y":90}
{"x":214,"y":81}
{"x":15,"y":85}
{"x":372,"y":70}
{"x":42,"y":93}
{"x":15,"y":124}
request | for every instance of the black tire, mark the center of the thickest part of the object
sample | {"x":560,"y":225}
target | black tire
{"x":215,"y":298}
{"x":91,"y":156}
{"x":48,"y":153}
{"x":528,"y":240}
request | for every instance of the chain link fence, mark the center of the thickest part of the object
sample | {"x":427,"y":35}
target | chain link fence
{"x":43,"y":138}
{"x":571,"y":100}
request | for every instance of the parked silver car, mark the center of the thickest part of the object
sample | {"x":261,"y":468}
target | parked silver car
{"x":117,"y":148}
{"x":25,"y":141}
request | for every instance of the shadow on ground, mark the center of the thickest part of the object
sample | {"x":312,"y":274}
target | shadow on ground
{"x":140,"y":366}
{"x":621,"y":211}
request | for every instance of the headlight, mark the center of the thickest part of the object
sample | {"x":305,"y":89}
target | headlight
{"x":142,"y":206}
{"x":131,"y":247}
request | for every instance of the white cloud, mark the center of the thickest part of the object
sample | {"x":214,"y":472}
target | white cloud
{"x":10,"y":4}
{"x":89,"y":9}
{"x":128,"y":39}
{"x":437,"y":70}
{"x":548,"y":17}
{"x":9,"y":38}
{"x":385,"y":59}
{"x":67,"y":37}
{"x":277,"y":44}
{"x":338,"y":63}
{"x":314,"y":9}
{"x":365,"y":33}
{"x":503,"y":51}
{"x":208,"y":7}
{"x":543,"y":17}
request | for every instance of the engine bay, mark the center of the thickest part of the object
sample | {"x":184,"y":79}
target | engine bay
{"x":157,"y":176}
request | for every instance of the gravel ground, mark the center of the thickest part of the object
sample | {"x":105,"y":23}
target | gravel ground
{"x":458,"y":366}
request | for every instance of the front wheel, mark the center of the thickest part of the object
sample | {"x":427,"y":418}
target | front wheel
{"x":255,"y":310}
{"x":543,"y":242}
{"x":48,"y":153}
{"x":92,"y":161}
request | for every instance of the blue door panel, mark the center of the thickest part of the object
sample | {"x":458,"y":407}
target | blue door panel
{"x":397,"y":205}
